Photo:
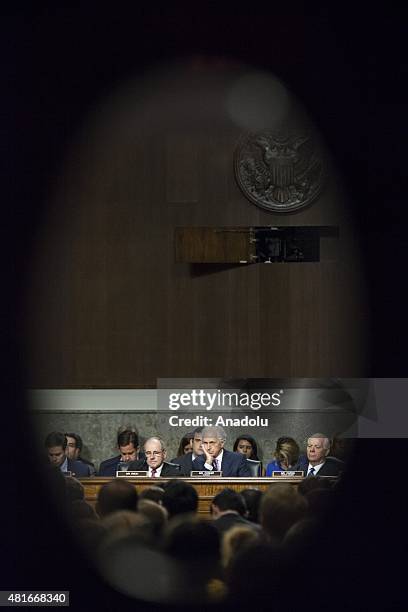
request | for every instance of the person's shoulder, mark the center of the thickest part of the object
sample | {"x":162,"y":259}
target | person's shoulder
{"x":79,"y":468}
{"x":110,"y":461}
{"x":182,"y":459}
{"x":273,"y":466}
{"x":138,"y":464}
{"x":335,"y":461}
{"x":238,"y":457}
{"x":233,"y":454}
{"x":107,"y":467}
{"x":336,"y":464}
{"x":172,"y":469}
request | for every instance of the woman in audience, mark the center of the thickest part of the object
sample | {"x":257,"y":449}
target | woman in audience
{"x":286,"y":457}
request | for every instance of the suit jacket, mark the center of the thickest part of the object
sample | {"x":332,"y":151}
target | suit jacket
{"x":168,"y":469}
{"x":89,"y":464}
{"x":79,"y":469}
{"x":110,"y":466}
{"x":227,"y":521}
{"x":186,"y":463}
{"x":233,"y":464}
{"x":331,"y":467}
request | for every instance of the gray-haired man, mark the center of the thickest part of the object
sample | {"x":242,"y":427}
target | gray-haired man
{"x":318,"y":447}
{"x":215,"y":457}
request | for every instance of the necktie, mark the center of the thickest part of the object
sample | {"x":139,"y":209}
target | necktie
{"x":311,"y":471}
{"x":153,"y":472}
{"x":215,"y":465}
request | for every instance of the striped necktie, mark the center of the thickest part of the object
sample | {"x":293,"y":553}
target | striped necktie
{"x":153,"y":472}
{"x":215,"y":465}
{"x":311,"y":472}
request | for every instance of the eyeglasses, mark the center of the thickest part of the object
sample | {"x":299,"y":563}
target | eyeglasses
{"x":153,"y":453}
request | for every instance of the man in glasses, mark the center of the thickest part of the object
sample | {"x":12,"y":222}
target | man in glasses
{"x":155,"y":463}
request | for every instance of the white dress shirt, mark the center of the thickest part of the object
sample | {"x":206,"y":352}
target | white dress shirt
{"x":315,"y":467}
{"x":158,"y":471}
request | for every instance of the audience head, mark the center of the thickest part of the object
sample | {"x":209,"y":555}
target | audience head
{"x":234,"y":540}
{"x":228,"y":500}
{"x":190,"y":538}
{"x":155,"y":513}
{"x":74,"y":490}
{"x":154,"y":493}
{"x":318,"y":447}
{"x":254,"y":576}
{"x":155,"y":452}
{"x":252,"y":498}
{"x":128,"y":444}
{"x":196,"y":441}
{"x":121,"y":522}
{"x":246,"y":445}
{"x":186,"y":445}
{"x":299,"y":542}
{"x":281,"y":507}
{"x":286,"y":452}
{"x":74,"y":446}
{"x":56,"y":444}
{"x":214,"y":439}
{"x":79,"y":510}
{"x":311,"y":483}
{"x":179,"y":497}
{"x":320,"y":502}
{"x":116,"y":495}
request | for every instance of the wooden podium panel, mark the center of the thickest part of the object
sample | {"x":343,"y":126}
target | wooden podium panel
{"x":214,"y":245}
{"x":206,"y":488}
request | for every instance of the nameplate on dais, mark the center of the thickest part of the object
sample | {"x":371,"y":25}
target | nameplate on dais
{"x":205,"y":473}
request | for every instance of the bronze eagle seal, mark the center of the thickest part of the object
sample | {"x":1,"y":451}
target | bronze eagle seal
{"x":280,"y":172}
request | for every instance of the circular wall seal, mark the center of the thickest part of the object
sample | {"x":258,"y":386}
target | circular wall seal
{"x":280,"y":172}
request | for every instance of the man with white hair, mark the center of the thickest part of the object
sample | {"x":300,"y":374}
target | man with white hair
{"x":216,"y":458}
{"x":154,"y":463}
{"x":318,"y":447}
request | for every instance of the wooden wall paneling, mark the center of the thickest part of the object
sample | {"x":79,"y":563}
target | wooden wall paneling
{"x":121,"y":312}
{"x":178,"y":348}
{"x":181,"y":167}
{"x":243,"y":334}
{"x":274,"y":320}
{"x":304,"y":316}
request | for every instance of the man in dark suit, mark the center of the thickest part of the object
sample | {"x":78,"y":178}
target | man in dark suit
{"x":154,"y":461}
{"x":74,"y":450}
{"x":215,"y":457}
{"x":56,"y":445}
{"x":128,"y":444}
{"x":228,"y":510}
{"x":186,"y":461}
{"x":318,"y":448}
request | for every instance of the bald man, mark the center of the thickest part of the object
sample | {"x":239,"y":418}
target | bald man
{"x":155,"y":463}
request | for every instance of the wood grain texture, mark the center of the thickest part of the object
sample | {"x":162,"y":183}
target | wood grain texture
{"x":109,"y":305}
